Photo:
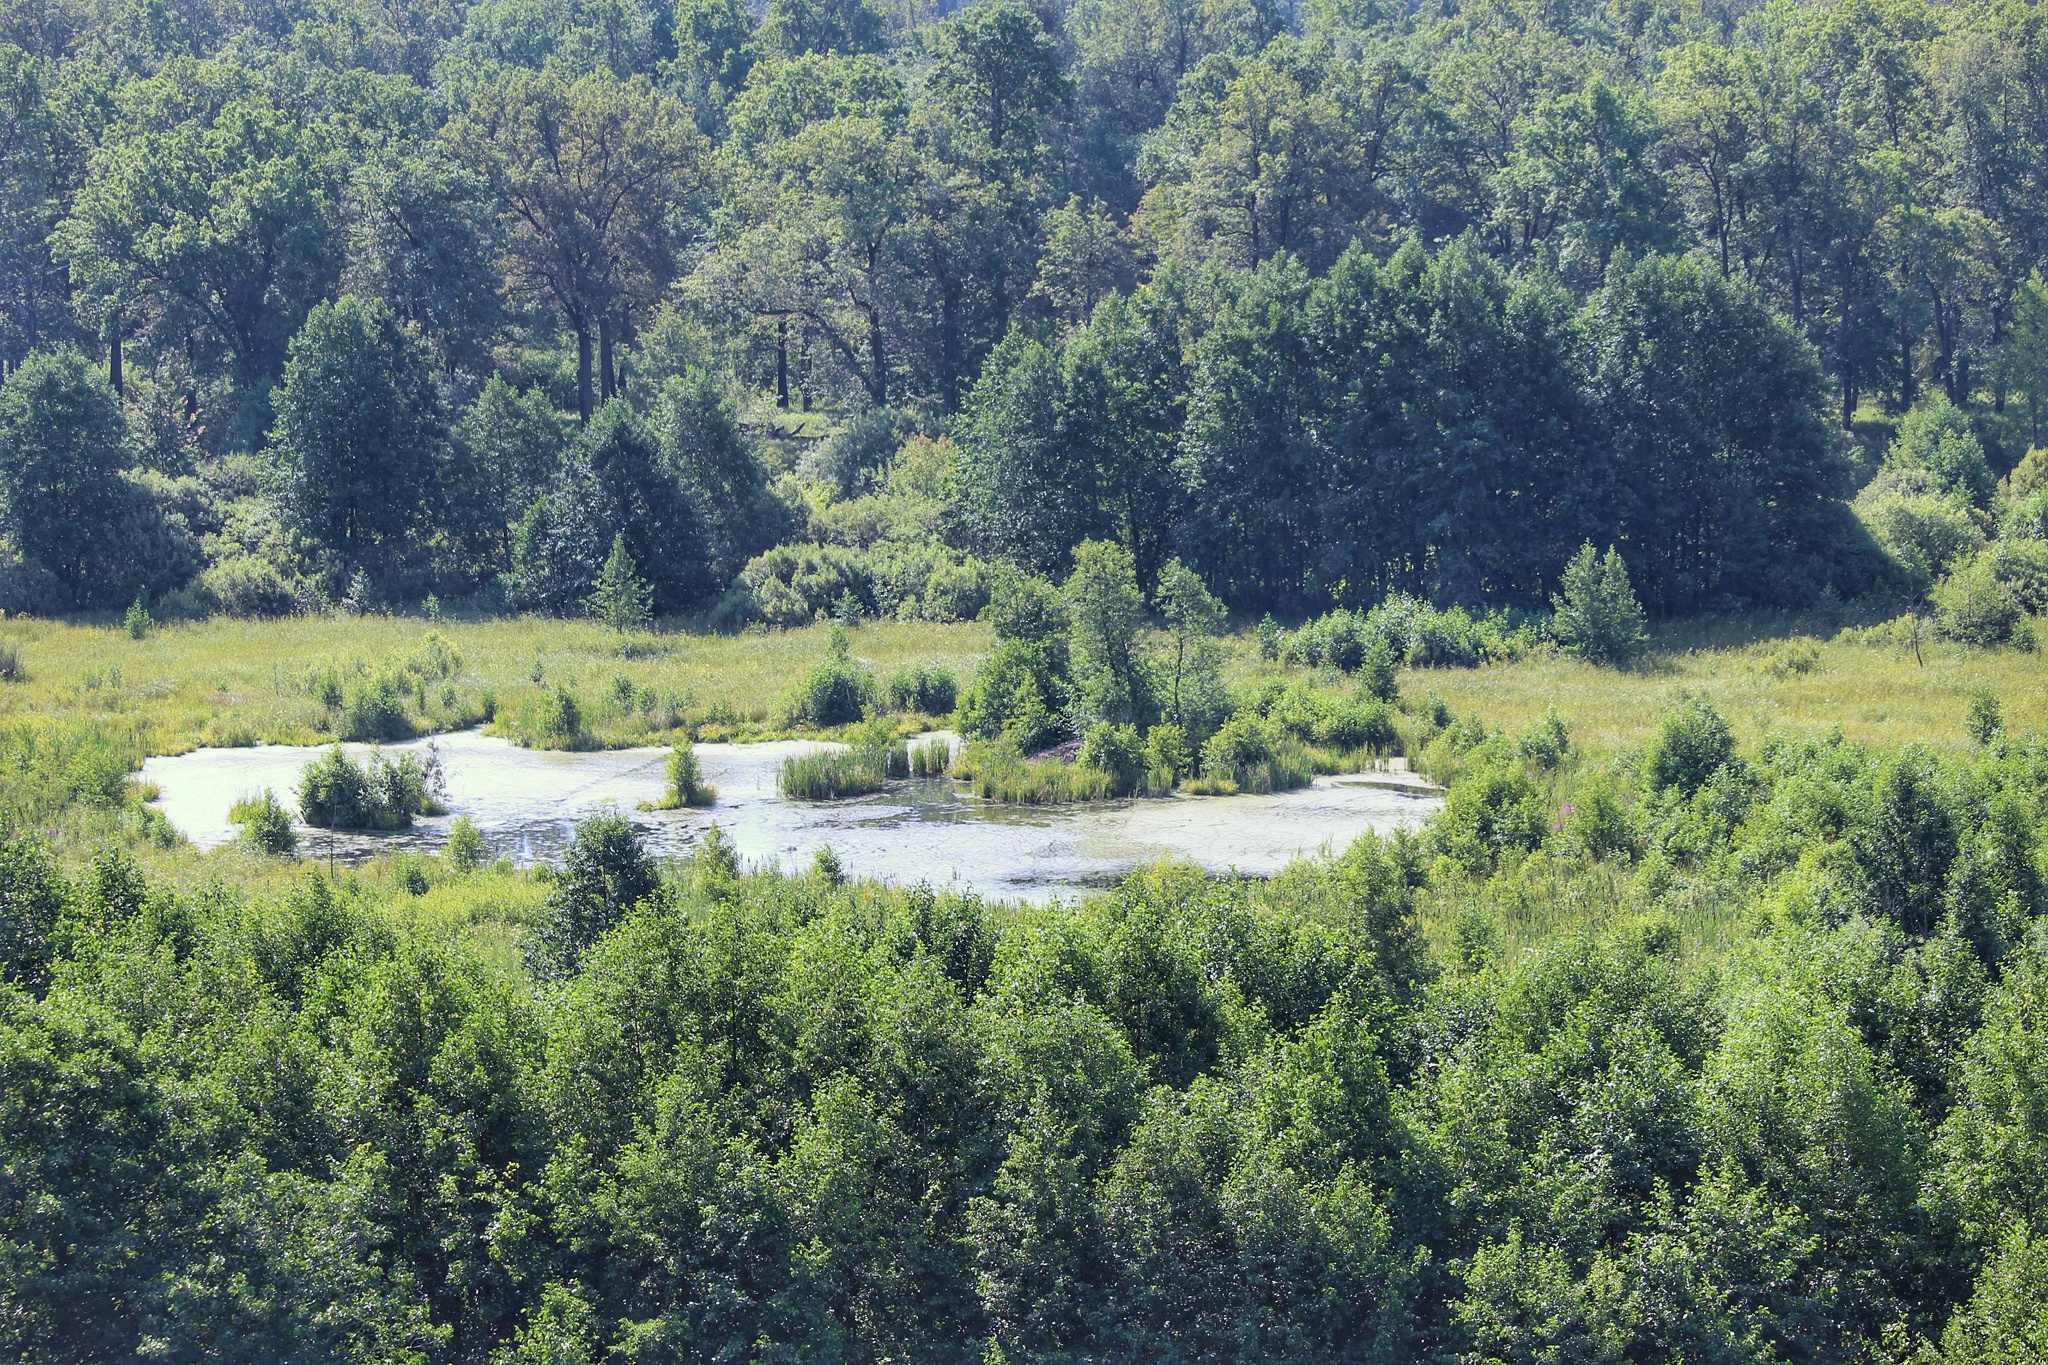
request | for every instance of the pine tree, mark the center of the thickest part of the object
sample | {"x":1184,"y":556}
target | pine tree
{"x":1597,"y":614}
{"x":621,"y":598}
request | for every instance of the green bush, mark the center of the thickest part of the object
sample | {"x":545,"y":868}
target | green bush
{"x":927,"y":689}
{"x":465,"y":847}
{"x":1247,"y":754}
{"x":373,"y":708}
{"x":838,"y":691}
{"x":1974,"y":607}
{"x":996,"y":771}
{"x":1596,"y":615}
{"x":1492,"y":811}
{"x":549,"y":719}
{"x":1016,"y":696}
{"x":1117,"y":752}
{"x":248,"y":585}
{"x":379,"y":793}
{"x":266,"y":824}
{"x":1924,"y":535}
{"x":1691,"y":744}
{"x":686,"y":785}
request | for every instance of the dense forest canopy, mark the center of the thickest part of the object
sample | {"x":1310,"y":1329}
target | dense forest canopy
{"x":334,"y":300}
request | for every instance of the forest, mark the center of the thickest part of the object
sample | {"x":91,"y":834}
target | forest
{"x":321,"y":305}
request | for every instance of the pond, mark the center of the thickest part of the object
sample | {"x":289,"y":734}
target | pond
{"x":527,"y":801}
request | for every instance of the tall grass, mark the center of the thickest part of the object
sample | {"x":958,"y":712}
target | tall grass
{"x":829,"y":775}
{"x":997,"y":772}
{"x":933,"y":758}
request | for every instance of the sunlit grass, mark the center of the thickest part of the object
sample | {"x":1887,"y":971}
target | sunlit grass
{"x":227,"y":681}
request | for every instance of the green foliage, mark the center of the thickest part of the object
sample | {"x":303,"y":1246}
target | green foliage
{"x":1985,"y":720}
{"x":926,"y":689}
{"x":550,"y":718}
{"x":620,"y":598}
{"x":1017,"y":696}
{"x":1935,"y":438}
{"x":831,"y":774}
{"x":266,"y":824}
{"x":933,"y":758}
{"x":378,"y":793}
{"x":1494,"y":811}
{"x":137,"y":621}
{"x":1973,"y":606}
{"x":1117,"y":752}
{"x":465,"y":847}
{"x":1691,"y":744}
{"x":605,"y":874}
{"x":686,"y":785}
{"x":838,"y":691}
{"x":1247,"y":755}
{"x":1597,"y":616}
{"x":1104,"y":612}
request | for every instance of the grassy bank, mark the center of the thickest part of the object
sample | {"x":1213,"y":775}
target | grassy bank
{"x":296,"y":681}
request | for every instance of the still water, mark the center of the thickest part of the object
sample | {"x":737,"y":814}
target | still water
{"x":527,"y":801}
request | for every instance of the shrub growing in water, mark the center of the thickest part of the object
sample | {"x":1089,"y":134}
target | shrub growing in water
{"x":380,"y":793}
{"x":1248,"y":755}
{"x":465,"y":848}
{"x":1117,"y":752}
{"x":266,"y":825}
{"x":686,"y":785}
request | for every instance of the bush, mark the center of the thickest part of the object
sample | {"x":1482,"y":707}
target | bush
{"x":2021,"y":564}
{"x":1597,"y":616}
{"x":137,"y":622}
{"x":465,"y":847}
{"x":247,"y":585}
{"x":1924,"y":535}
{"x":686,"y":785}
{"x":1986,"y":719}
{"x":1118,"y":753}
{"x":1247,"y":755}
{"x":380,"y":793}
{"x":10,"y":662}
{"x":926,"y":689}
{"x":1547,"y":742}
{"x":373,"y":708}
{"x":1692,"y":743}
{"x":1974,"y":607}
{"x":1016,"y":696}
{"x":549,"y":719}
{"x":1167,"y":756}
{"x":1492,"y":811}
{"x":266,"y":824}
{"x":606,"y":873}
{"x":838,"y":691}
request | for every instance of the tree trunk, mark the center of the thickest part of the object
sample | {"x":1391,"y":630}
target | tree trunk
{"x":782,"y":363}
{"x":606,"y":386}
{"x":114,"y":376}
{"x":878,"y":384}
{"x":583,"y":404}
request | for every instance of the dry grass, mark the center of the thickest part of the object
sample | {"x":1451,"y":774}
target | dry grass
{"x":228,"y":681}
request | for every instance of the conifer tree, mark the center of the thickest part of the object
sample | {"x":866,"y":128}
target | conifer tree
{"x":621,"y":598}
{"x":1598,"y":616}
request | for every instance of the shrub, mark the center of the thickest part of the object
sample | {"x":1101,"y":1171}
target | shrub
{"x":1594,"y":823}
{"x":248,"y":585}
{"x":1547,"y":741}
{"x":1336,"y":638}
{"x":1117,"y":752}
{"x":1247,"y":755}
{"x":837,"y":692}
{"x":1272,"y":640}
{"x":1167,"y":756}
{"x":465,"y":847}
{"x":10,"y":662}
{"x":137,"y":621}
{"x":1016,"y":696}
{"x":927,"y":689}
{"x":549,"y":719}
{"x":1597,"y":616}
{"x":1974,"y":607}
{"x":373,"y":708}
{"x":1491,"y":811}
{"x":2022,"y":565}
{"x":1692,"y":743}
{"x":1986,"y":720}
{"x":1936,"y":437}
{"x":1924,"y":535}
{"x":266,"y":824}
{"x":606,"y":873}
{"x":380,"y":793}
{"x":686,"y":785}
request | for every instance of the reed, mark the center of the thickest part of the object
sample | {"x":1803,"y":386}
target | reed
{"x":829,"y":775}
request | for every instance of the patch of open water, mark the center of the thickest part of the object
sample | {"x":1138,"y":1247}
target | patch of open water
{"x":527,"y":802}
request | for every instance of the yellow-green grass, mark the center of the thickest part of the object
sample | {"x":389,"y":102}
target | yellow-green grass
{"x":226,"y":681}
{"x":1764,"y":677}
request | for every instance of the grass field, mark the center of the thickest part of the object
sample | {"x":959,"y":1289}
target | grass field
{"x":227,"y":681}
{"x":241,"y":682}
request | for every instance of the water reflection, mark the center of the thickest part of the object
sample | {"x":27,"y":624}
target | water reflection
{"x":526,"y":802}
